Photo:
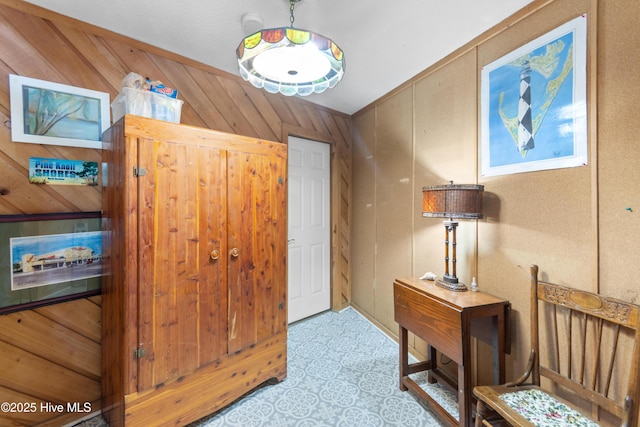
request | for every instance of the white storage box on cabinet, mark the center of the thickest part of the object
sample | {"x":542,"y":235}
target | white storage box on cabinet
{"x":146,"y":104}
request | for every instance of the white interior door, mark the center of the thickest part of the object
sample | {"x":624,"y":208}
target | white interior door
{"x":309,"y":257}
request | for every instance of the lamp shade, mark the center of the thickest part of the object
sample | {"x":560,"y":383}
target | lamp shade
{"x":452,"y":201}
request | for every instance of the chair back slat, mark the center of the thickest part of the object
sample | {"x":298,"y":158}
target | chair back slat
{"x":609,"y":374}
{"x":568,"y":341}
{"x":583,"y":342}
{"x":596,"y":357}
{"x":556,"y":339}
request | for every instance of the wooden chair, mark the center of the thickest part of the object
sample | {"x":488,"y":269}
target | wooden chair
{"x":589,"y":363}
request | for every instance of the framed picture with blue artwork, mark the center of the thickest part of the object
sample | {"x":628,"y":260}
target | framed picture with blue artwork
{"x":534,"y":104}
{"x":52,"y":113}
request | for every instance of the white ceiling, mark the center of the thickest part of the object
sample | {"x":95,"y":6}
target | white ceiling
{"x":385,"y":42}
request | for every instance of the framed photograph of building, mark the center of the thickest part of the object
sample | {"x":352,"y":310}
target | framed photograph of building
{"x":534,"y":104}
{"x":49,"y":258}
{"x":51,"y":113}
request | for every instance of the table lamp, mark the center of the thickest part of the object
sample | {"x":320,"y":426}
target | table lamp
{"x":459,"y":201}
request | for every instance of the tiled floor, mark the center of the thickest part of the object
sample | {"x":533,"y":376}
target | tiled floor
{"x":342,"y":371}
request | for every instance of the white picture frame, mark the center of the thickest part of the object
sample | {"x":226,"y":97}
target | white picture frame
{"x":551,"y":72}
{"x":44,"y":112}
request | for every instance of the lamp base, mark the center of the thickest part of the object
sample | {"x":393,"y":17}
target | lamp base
{"x":456,"y":287}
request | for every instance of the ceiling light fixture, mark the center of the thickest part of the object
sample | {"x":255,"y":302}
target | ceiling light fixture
{"x":290,"y":61}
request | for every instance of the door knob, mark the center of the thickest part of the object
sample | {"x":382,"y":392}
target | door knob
{"x":215,"y":254}
{"x":235,"y":252}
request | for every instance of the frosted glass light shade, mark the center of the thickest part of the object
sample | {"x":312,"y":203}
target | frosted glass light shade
{"x":290,"y":61}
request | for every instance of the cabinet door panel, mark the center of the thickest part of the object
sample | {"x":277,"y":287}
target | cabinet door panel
{"x":182,"y":290}
{"x":257,"y":215}
{"x":213,"y":245}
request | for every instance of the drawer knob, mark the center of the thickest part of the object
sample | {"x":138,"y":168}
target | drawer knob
{"x":235,"y":252}
{"x":215,"y":254}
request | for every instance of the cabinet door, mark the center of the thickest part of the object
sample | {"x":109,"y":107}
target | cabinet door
{"x":182,"y":290}
{"x":257,"y":233}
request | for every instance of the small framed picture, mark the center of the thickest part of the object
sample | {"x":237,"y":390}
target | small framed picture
{"x":51,"y":113}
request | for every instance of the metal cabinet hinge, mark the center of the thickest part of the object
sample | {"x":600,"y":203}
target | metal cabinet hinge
{"x":139,"y":353}
{"x":139,"y":171}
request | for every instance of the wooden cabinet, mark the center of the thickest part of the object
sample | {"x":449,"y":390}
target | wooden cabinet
{"x":194,"y":294}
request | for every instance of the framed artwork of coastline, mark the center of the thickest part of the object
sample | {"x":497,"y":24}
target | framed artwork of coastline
{"x":51,"y":113}
{"x":534,"y":104}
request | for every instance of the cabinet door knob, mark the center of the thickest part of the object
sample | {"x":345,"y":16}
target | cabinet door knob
{"x":215,"y":254}
{"x":235,"y":252}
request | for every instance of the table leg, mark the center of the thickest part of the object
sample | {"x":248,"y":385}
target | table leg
{"x":464,"y":377}
{"x":501,"y":330}
{"x":498,"y":347}
{"x":433,"y":358}
{"x":404,"y":356}
{"x":464,"y":398}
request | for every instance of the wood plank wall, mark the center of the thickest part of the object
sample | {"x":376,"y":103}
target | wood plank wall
{"x":52,"y":354}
